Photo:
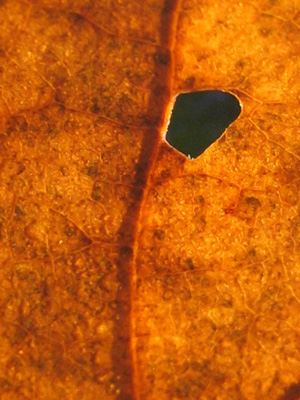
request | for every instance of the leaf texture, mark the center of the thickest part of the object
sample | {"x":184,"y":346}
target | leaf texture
{"x":127,"y":270}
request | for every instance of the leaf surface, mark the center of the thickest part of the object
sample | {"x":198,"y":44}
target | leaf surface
{"x":127,"y":270}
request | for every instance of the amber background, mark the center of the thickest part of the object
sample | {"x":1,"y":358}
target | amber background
{"x":128,"y":271}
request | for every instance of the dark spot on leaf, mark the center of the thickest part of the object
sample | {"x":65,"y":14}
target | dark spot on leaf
{"x":95,"y":107}
{"x":70,"y":230}
{"x":97,"y":191}
{"x":254,"y":202}
{"x":219,"y":377}
{"x":21,"y":168}
{"x":240,"y":64}
{"x":75,"y":18}
{"x":189,"y":263}
{"x":19,"y":212}
{"x":59,"y":96}
{"x":126,"y":251}
{"x":265,"y":32}
{"x":189,"y":83}
{"x":252,"y":253}
{"x":162,"y":58}
{"x":103,"y":283}
{"x":200,"y":366}
{"x":202,"y":221}
{"x":64,"y":171}
{"x":19,"y":336}
{"x":199,"y":119}
{"x":5,"y":384}
{"x":17,"y":124}
{"x":91,"y":170}
{"x":200,"y":200}
{"x":165,"y":174}
{"x":291,"y":393}
{"x":159,"y":234}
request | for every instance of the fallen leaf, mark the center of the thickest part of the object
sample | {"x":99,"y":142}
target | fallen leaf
{"x":127,"y":270}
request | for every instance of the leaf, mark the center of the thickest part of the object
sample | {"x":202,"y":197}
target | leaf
{"x":127,"y":270}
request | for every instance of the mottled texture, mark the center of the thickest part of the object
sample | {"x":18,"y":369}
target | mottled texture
{"x":76,"y":112}
{"x":217,"y":295}
{"x":127,"y":271}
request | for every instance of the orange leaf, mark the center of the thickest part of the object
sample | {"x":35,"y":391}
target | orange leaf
{"x":129,"y":271}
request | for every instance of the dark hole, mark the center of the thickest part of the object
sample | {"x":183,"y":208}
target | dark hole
{"x":199,"y":118}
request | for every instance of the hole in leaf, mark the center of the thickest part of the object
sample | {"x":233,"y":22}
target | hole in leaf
{"x":199,"y":118}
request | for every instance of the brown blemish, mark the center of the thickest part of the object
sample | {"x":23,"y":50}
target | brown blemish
{"x":189,"y":83}
{"x":265,"y":32}
{"x":253,"y":202}
{"x":291,"y":393}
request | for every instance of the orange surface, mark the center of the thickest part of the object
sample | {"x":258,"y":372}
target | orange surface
{"x":127,"y":270}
